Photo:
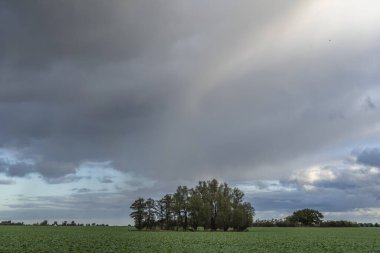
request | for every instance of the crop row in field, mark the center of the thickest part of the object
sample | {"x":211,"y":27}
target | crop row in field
{"x":122,"y":239}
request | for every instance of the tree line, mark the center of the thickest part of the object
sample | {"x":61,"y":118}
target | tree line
{"x":55,"y":223}
{"x":304,"y":217}
{"x":210,"y":204}
{"x":309,"y":217}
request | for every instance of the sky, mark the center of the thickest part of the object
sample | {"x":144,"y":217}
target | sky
{"x":105,"y":101}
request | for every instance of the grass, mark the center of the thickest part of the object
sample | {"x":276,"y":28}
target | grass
{"x":123,"y":239}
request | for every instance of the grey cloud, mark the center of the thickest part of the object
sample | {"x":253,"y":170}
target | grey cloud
{"x":349,"y":178}
{"x":180,"y":92}
{"x":3,"y":166}
{"x":7,"y":182}
{"x":84,"y":31}
{"x":52,"y":169}
{"x":370,"y":156}
{"x":369,"y":104}
{"x":106,"y":180}
{"x":63,"y":179}
{"x":324,"y":198}
{"x":340,"y":188}
{"x":97,"y":207}
{"x":94,"y":32}
{"x":53,"y":172}
{"x":82,"y":190}
{"x":80,"y":203}
{"x":18,"y":169}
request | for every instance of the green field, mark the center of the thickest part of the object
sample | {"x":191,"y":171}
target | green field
{"x":122,"y":239}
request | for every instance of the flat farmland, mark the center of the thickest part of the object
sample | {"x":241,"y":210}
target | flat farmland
{"x":124,"y":239}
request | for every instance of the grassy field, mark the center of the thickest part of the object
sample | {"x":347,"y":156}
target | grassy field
{"x":122,"y":239}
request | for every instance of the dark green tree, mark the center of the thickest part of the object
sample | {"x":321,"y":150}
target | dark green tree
{"x":150,"y":211}
{"x":210,"y":204}
{"x":213,"y":193}
{"x":167,"y":205}
{"x":160,"y":213}
{"x":195,"y":209}
{"x":306,"y":217}
{"x":249,"y":212}
{"x":139,"y":212}
{"x":181,"y":206}
{"x":224,"y":207}
{"x":44,"y":223}
{"x":205,"y":208}
{"x":242,"y":213}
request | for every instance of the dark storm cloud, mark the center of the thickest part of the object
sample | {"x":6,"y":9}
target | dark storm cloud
{"x":84,"y":82}
{"x":16,"y":169}
{"x":52,"y":169}
{"x":370,"y":156}
{"x":20,"y":169}
{"x":43,"y":32}
{"x":182,"y":91}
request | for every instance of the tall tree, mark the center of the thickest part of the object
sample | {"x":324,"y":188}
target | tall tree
{"x":195,"y":208}
{"x":160,"y":212}
{"x":237,"y":196}
{"x":205,"y":211}
{"x":167,"y":204}
{"x":181,"y":206}
{"x":177,"y":212}
{"x":139,"y":212}
{"x":224,"y":206}
{"x":213,"y":193}
{"x":150,"y":210}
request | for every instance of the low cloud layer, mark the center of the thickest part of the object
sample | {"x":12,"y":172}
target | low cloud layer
{"x":343,"y":190}
{"x":174,"y":93}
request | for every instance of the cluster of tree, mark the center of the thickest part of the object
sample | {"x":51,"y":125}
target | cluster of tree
{"x":330,"y":223}
{"x":308,"y":217}
{"x":304,"y":217}
{"x":339,"y":223}
{"x":9,"y":222}
{"x":211,"y":205}
{"x":273,"y":223}
{"x":369,"y":225}
{"x":65,"y":223}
